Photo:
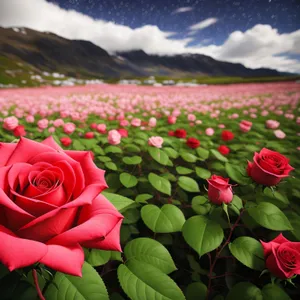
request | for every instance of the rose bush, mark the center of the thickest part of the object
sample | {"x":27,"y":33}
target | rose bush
{"x":51,"y":207}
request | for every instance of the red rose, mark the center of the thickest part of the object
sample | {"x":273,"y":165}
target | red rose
{"x":89,"y":135}
{"x":219,"y":190}
{"x":180,"y":133}
{"x":19,"y":131}
{"x":66,"y":141}
{"x":227,"y":135}
{"x":268,"y":167}
{"x":93,"y":126}
{"x":123,"y":132}
{"x":50,"y":207}
{"x":282,"y":257}
{"x":224,"y":150}
{"x":171,"y":133}
{"x":193,"y":143}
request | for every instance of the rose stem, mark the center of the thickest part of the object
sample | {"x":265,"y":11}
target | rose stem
{"x":36,"y":282}
{"x":212,"y":264}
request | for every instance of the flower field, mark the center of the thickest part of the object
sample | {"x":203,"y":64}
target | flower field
{"x":124,"y":192}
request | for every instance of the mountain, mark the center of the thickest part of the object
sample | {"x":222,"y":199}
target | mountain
{"x":192,"y":64}
{"x":25,"y":50}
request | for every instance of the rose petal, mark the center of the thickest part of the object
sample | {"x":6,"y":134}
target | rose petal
{"x":15,"y":216}
{"x":43,"y":229}
{"x":18,"y":253}
{"x":49,"y":141}
{"x":27,"y":149}
{"x":110,"y":242}
{"x":96,"y":221}
{"x":64,"y":259}
{"x":7,"y":150}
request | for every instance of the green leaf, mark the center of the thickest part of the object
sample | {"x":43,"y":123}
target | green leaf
{"x":168,"y":218}
{"x":128,"y":180}
{"x":151,"y":252}
{"x":188,"y":157}
{"x":96,"y":257}
{"x":188,"y":184}
{"x":158,"y":155}
{"x":202,"y":234}
{"x":89,"y":287}
{"x":203,"y":173}
{"x":249,"y":252}
{"x":202,"y":153}
{"x":77,"y":145}
{"x":3,"y":271}
{"x":183,"y":170}
{"x":274,"y":292}
{"x":159,"y":183}
{"x":110,"y":165}
{"x":141,"y":281}
{"x":218,"y":155}
{"x":132,"y":148}
{"x":132,"y":160}
{"x":237,"y":173}
{"x":196,"y":291}
{"x":104,"y":158}
{"x":270,"y":216}
{"x":245,"y":291}
{"x":295,"y":221}
{"x":236,"y":204}
{"x":112,"y":149}
{"x":142,"y":198}
{"x":171,"y":152}
{"x":121,"y":203}
{"x":200,"y":205}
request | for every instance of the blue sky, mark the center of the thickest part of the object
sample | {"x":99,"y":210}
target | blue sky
{"x":231,"y":14}
{"x":256,"y":33}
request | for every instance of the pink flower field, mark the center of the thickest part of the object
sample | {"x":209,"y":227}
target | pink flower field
{"x":136,"y":192}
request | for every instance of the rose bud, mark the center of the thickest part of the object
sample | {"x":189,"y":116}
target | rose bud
{"x":114,"y":137}
{"x":171,"y":133}
{"x":93,"y":126}
{"x":89,"y":135}
{"x":66,"y":141}
{"x":268,"y":167}
{"x":19,"y":131}
{"x":219,"y":190}
{"x":193,"y":143}
{"x":227,"y":135}
{"x":282,"y":257}
{"x":180,"y":133}
{"x":224,"y":150}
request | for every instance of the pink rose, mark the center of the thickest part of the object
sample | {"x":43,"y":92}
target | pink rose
{"x":69,"y":128}
{"x":43,"y":124}
{"x":172,"y":120}
{"x":58,"y":123}
{"x":101,"y":128}
{"x":124,"y":123}
{"x":10,"y":123}
{"x":209,"y":131}
{"x":272,"y":124}
{"x":29,"y":119}
{"x":279,"y":134}
{"x":50,"y":206}
{"x":156,"y":141}
{"x":136,"y":122}
{"x":245,"y":126}
{"x":219,"y":190}
{"x":191,"y":117}
{"x":114,"y":137}
{"x":152,"y":122}
{"x":51,"y":129}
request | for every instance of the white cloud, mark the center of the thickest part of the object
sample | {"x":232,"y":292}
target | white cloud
{"x":260,"y":46}
{"x":182,"y":9}
{"x":203,"y":24}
